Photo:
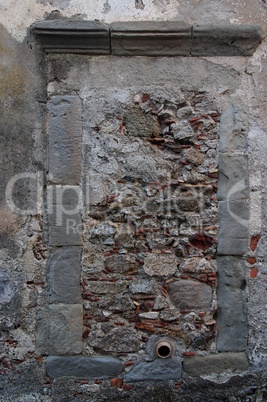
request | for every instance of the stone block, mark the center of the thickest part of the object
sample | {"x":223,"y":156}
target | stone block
{"x":147,"y":38}
{"x":233,"y":181}
{"x":232,"y":312}
{"x":233,"y":232}
{"x":83,"y":367}
{"x":139,"y":124}
{"x":225,"y":39}
{"x":59,"y":329}
{"x":234,"y":127}
{"x":64,"y":273}
{"x":107,"y":288}
{"x":190,"y":295}
{"x":158,"y":369}
{"x":229,"y":246}
{"x":63,"y":209}
{"x":117,"y":340}
{"x":65,"y":139}
{"x":73,"y":36}
{"x":160,"y":264}
{"x":141,"y":286}
{"x":196,"y":366}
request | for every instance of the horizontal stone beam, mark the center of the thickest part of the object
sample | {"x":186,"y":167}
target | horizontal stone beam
{"x":83,"y":367}
{"x":66,"y":36}
{"x":215,"y":364}
{"x":147,"y":38}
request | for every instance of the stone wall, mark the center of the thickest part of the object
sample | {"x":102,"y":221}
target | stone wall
{"x":110,"y":219}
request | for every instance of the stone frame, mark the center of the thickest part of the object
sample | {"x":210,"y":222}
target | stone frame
{"x":139,"y":39}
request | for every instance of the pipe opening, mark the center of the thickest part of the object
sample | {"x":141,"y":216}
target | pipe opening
{"x":164,"y":349}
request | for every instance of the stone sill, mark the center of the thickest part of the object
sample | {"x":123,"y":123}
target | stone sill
{"x":147,"y":38}
{"x":102,"y":367}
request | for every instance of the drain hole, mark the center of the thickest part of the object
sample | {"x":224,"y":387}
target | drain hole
{"x":164,"y":349}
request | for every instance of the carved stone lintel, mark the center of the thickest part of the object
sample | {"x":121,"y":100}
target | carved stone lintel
{"x":147,"y":38}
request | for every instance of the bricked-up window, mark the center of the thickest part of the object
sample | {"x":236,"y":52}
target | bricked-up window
{"x":136,"y":145}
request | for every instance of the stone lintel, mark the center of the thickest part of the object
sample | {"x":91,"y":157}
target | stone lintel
{"x":225,"y":39}
{"x":215,"y":364}
{"x":151,"y":38}
{"x":83,"y":367}
{"x":72,"y":36}
{"x":147,"y":38}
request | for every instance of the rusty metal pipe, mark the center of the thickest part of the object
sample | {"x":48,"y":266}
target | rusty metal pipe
{"x":164,"y":349}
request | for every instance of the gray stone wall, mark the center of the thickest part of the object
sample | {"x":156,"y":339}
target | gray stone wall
{"x":95,"y":265}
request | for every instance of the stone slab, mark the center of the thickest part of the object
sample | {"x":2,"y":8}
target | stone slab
{"x":63,"y":208}
{"x":233,"y":181}
{"x":225,"y":39}
{"x":158,"y":369}
{"x":72,"y":36}
{"x":233,"y":232}
{"x":83,"y":367}
{"x":65,"y":139}
{"x":64,"y":273}
{"x":146,"y":38}
{"x":59,"y":329}
{"x":234,"y":126}
{"x":232,"y":312}
{"x":192,"y":295}
{"x":230,"y":246}
{"x":196,"y":366}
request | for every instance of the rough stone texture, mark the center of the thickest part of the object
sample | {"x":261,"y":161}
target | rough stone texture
{"x":215,"y":364}
{"x":193,"y":295}
{"x":59,"y":329}
{"x":233,"y":232}
{"x":6,"y":290}
{"x":225,"y":40}
{"x":83,"y":367}
{"x":159,"y":369}
{"x":141,"y":286}
{"x":64,"y":272}
{"x":198,"y":265}
{"x":107,"y":288}
{"x":148,"y":192}
{"x":65,"y":224}
{"x":232,"y":311}
{"x":65,"y":139}
{"x":119,"y":340}
{"x":124,"y":264}
{"x":160,"y":265}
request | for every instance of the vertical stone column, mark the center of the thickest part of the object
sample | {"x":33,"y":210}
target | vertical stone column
{"x":233,"y":196}
{"x":59,"y":329}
